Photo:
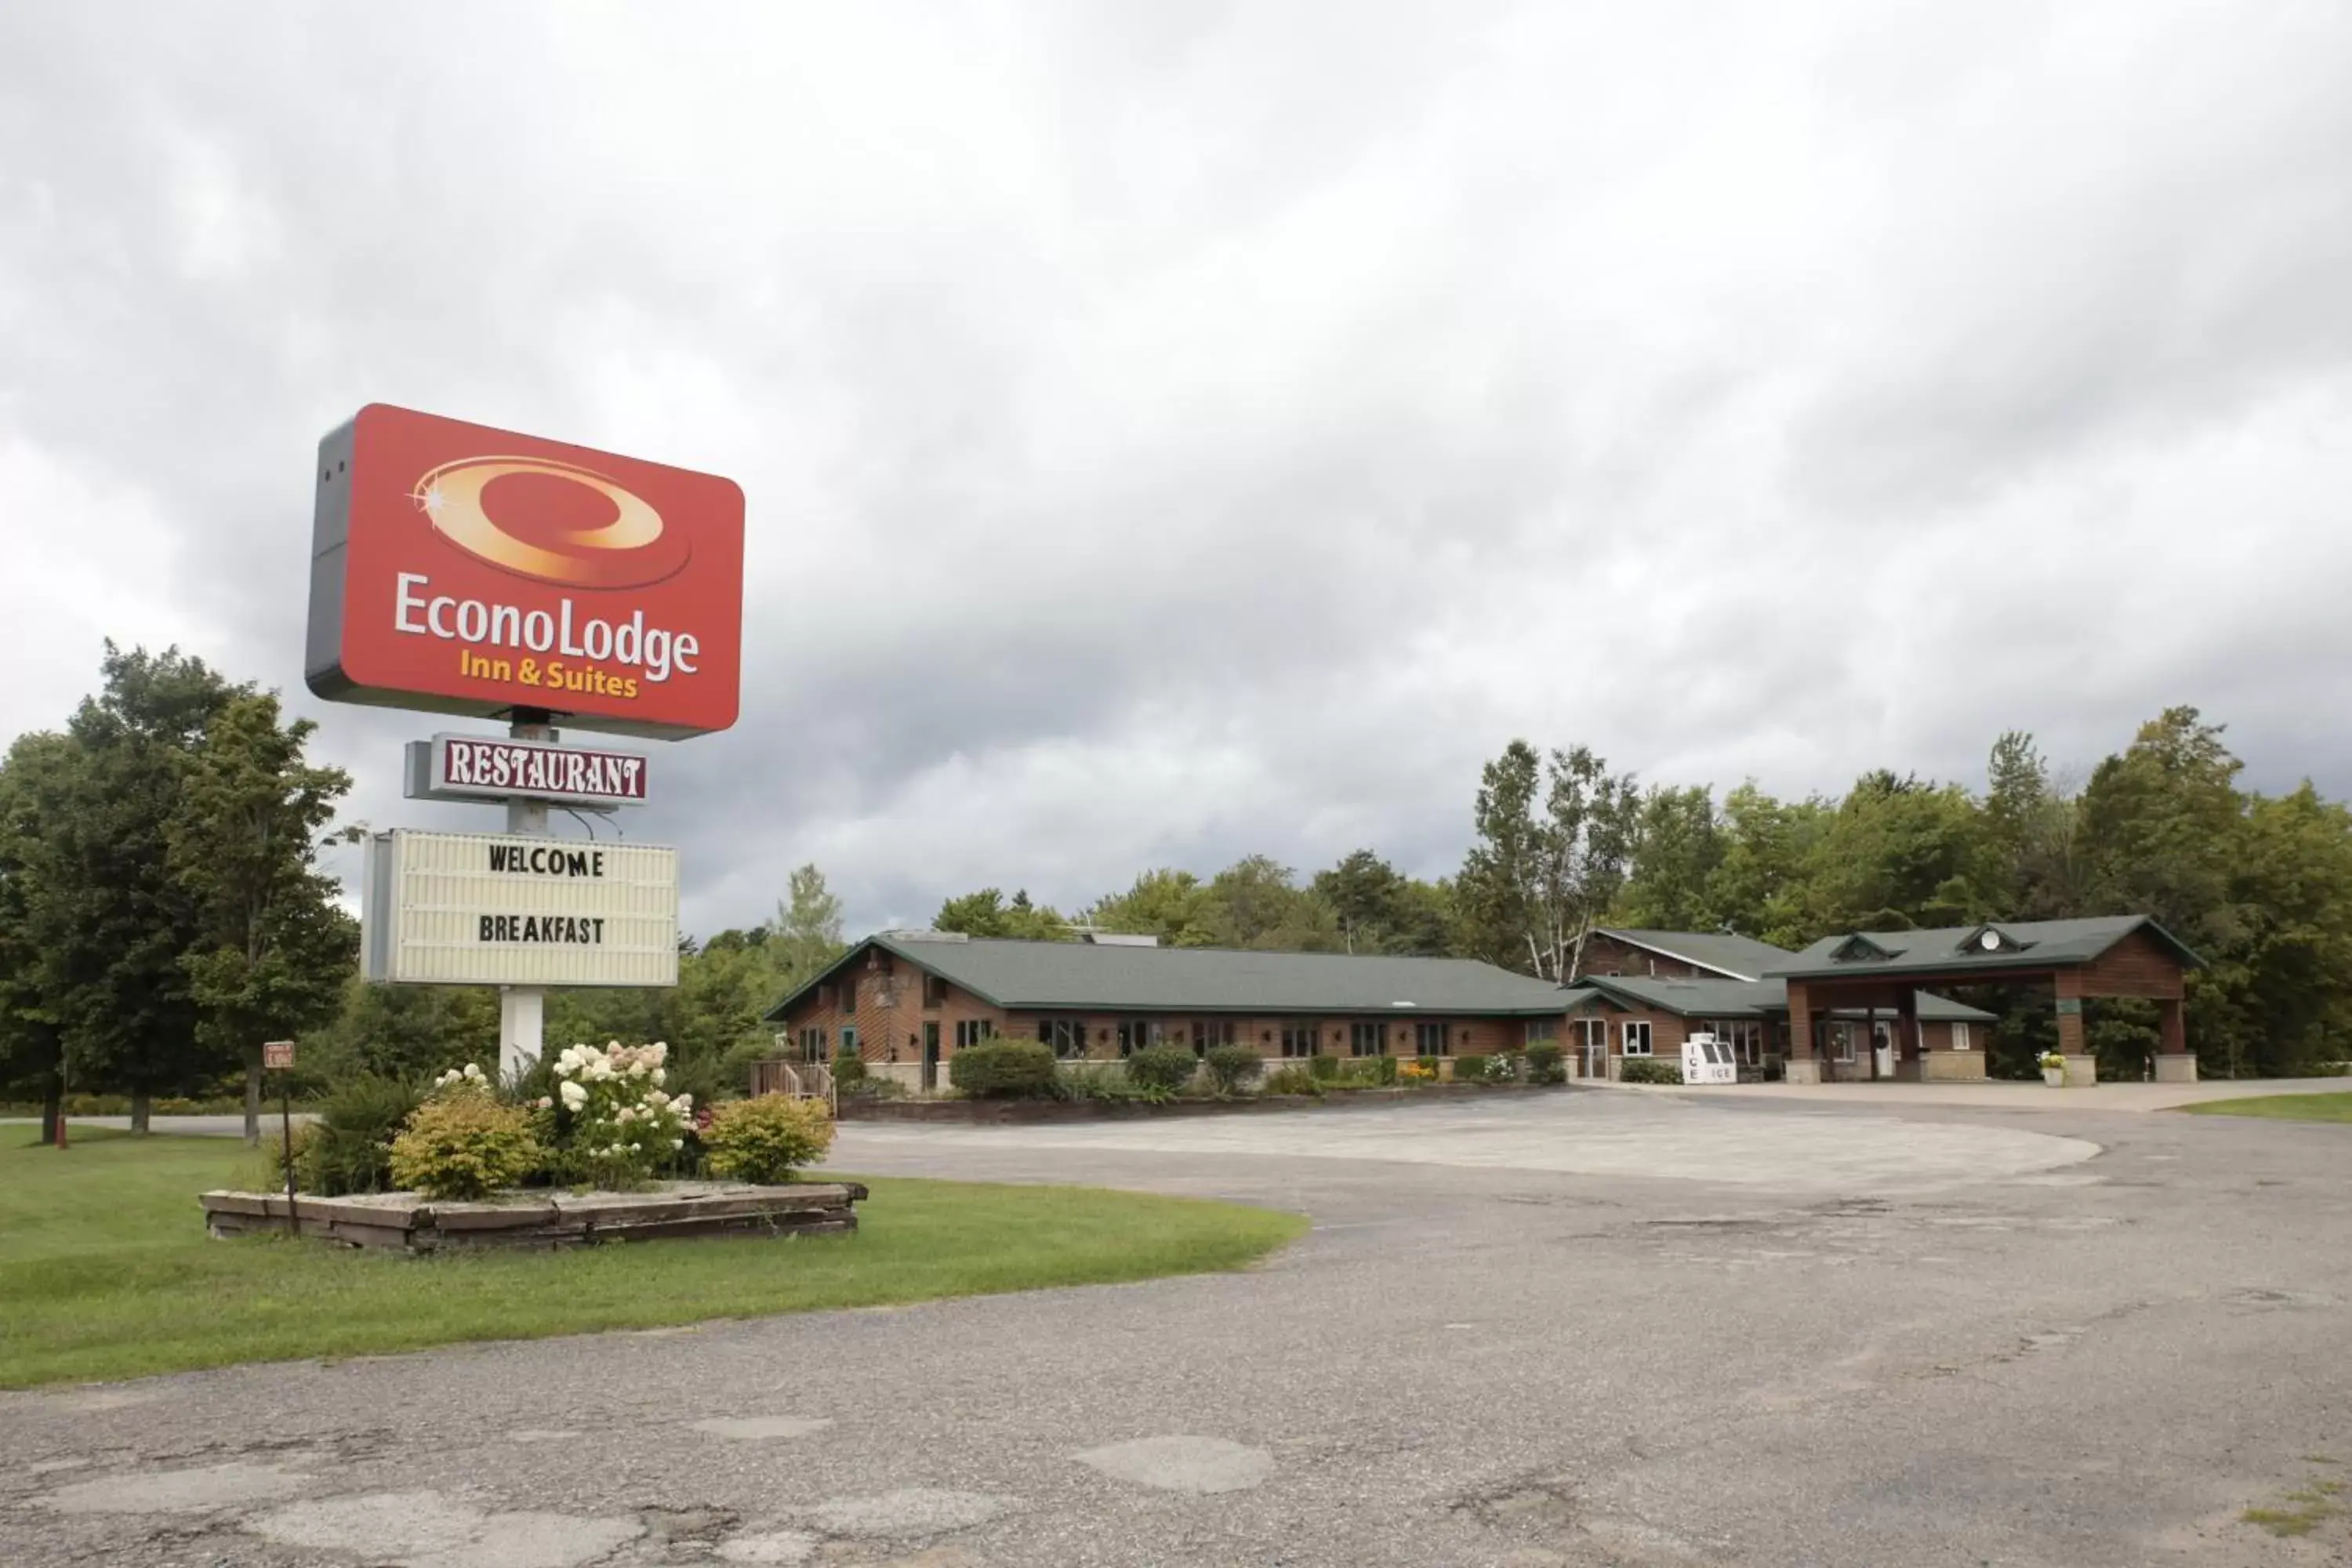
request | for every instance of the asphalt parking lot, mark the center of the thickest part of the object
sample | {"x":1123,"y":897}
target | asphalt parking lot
{"x":1595,"y":1328}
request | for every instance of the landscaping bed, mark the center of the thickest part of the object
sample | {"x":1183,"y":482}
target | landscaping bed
{"x":997,"y":1112}
{"x":409,"y":1222}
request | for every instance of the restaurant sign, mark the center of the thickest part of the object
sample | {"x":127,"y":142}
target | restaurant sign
{"x":490,"y":767}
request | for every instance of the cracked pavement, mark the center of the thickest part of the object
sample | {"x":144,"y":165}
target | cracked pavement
{"x":1591,"y":1328}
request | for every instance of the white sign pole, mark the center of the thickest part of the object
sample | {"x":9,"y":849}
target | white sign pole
{"x":523,"y":1009}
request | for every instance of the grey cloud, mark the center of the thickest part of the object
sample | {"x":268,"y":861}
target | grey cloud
{"x":1174,"y":434}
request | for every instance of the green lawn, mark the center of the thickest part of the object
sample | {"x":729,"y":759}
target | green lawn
{"x":106,"y":1271}
{"x":2280,"y":1106}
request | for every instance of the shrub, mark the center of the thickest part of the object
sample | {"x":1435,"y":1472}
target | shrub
{"x":765,"y":1140}
{"x":1325,"y":1068}
{"x":614,"y":1122}
{"x":874,"y":1088}
{"x":465,"y":1146}
{"x":274,"y":1151}
{"x":1230,"y":1067}
{"x":1293,"y":1079}
{"x":1502,"y":1068}
{"x":1005,"y":1069}
{"x":848,"y":1070}
{"x":352,"y":1148}
{"x":1471,"y":1068}
{"x":1421,"y":1069}
{"x":1650,"y":1070}
{"x":1381,"y":1070}
{"x":1164,"y":1068}
{"x":1545,"y":1063}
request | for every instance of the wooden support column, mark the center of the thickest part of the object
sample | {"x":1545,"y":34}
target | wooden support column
{"x":1910,"y":1059}
{"x":1800,"y":1065}
{"x":2081,"y":1067}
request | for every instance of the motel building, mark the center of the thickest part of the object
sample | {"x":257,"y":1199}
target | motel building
{"x":1853,"y":1007}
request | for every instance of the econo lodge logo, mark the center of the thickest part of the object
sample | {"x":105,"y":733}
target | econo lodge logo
{"x":629,"y":549}
{"x":462,"y":569}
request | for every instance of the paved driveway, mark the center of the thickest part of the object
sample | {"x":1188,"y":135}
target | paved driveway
{"x":2075,"y":1339}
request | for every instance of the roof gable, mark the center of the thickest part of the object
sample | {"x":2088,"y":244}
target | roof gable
{"x":1733,"y":956}
{"x":2026,"y":945}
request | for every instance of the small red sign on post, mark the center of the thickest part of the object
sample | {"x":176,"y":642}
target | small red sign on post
{"x":278,"y":1055}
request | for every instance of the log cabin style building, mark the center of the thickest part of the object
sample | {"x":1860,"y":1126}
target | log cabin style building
{"x":1849,"y":1007}
{"x":905,"y":1002}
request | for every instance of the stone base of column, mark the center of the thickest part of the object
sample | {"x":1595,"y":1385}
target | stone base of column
{"x":1954,"y":1067}
{"x":2082,"y":1072}
{"x":2174,"y":1066}
{"x":1802,"y":1069}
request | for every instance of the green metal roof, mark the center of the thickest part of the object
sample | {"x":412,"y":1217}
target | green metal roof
{"x":1745,"y":998}
{"x":1739,"y":957}
{"x":2019,"y":945}
{"x":1050,"y":976}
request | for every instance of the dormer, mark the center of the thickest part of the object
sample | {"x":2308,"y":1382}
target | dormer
{"x":1991,"y":939}
{"x":1858,"y":949}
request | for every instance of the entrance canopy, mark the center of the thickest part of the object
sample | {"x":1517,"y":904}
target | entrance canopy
{"x":2117,"y":956}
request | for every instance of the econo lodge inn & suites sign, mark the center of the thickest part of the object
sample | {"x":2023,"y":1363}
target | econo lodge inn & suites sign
{"x":460,"y":569}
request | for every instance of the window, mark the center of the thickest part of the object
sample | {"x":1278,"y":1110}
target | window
{"x":849,"y":1042}
{"x":1540,"y":1030}
{"x":1298,"y":1039}
{"x":1429,"y":1039}
{"x":1842,"y":1036}
{"x":1961,"y":1037}
{"x":845,"y":995}
{"x":1743,"y":1036}
{"x":935,"y":991}
{"x":812,"y":1044}
{"x":1067,"y":1035}
{"x":1637,"y":1037}
{"x":1207,"y":1032}
{"x":972,"y":1031}
{"x":1367,"y":1039}
{"x":1135,"y":1034}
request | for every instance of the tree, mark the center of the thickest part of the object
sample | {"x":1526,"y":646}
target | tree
{"x":271,"y":946}
{"x":2033,"y":870}
{"x":117,"y":922}
{"x":1379,"y":910}
{"x":805,"y":935}
{"x":1760,"y":884}
{"x":1256,"y":902}
{"x":1537,"y":880}
{"x":1677,"y":854}
{"x":987,"y":913}
{"x":1169,"y":904}
{"x":31,"y":1039}
{"x":2161,"y":823}
{"x":1898,"y":853}
{"x":2287,"y":982}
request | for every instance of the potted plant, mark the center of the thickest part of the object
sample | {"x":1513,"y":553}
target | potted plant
{"x":2054,"y":1070}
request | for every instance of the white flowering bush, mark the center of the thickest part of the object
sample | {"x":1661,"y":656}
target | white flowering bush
{"x":466,"y":1079}
{"x":611,"y":1114}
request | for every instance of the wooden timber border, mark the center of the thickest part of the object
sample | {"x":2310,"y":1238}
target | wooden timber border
{"x":408,"y":1223}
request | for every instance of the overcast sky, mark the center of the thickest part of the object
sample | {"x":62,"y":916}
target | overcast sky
{"x":1173,"y":432}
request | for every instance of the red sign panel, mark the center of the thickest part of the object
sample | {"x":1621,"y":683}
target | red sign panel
{"x":464,"y":570}
{"x":276,"y":1055}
